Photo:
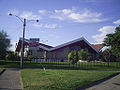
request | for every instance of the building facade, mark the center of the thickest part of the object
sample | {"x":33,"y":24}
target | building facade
{"x":42,"y":51}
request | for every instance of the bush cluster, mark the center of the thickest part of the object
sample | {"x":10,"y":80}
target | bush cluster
{"x":75,"y":56}
{"x":12,"y":56}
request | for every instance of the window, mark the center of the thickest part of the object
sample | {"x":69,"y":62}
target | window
{"x":30,"y":52}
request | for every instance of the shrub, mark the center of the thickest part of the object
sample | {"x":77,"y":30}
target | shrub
{"x":12,"y":56}
{"x":83,"y":55}
{"x":73,"y":57}
{"x":30,"y":58}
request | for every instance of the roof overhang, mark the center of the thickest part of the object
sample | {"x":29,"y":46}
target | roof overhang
{"x":68,"y":43}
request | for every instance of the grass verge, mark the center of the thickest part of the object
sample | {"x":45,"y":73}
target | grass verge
{"x":53,"y":79}
{"x":1,"y":69}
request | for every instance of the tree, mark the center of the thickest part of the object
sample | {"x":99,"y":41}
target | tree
{"x":107,"y":55}
{"x":113,"y":42}
{"x":83,"y":54}
{"x":73,"y":57}
{"x":4,"y":43}
{"x":12,"y":56}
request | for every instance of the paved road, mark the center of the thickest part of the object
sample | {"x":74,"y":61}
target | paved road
{"x":10,"y":80}
{"x":110,"y":84}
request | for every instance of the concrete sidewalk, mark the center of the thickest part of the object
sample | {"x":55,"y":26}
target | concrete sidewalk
{"x":110,"y":84}
{"x":10,"y":80}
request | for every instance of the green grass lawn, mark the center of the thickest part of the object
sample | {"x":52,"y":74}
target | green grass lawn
{"x":53,"y":79}
{"x":1,"y":69}
{"x":9,"y":64}
{"x":60,"y":75}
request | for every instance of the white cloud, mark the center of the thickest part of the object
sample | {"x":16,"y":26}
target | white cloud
{"x":13,"y":47}
{"x":42,"y":11}
{"x":50,"y":26}
{"x":30,"y":16}
{"x":64,"y":11}
{"x":77,"y":16}
{"x":104,"y":30}
{"x":117,"y":22}
{"x":74,"y":14}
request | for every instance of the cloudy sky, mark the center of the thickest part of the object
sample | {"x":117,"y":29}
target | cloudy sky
{"x":60,"y":21}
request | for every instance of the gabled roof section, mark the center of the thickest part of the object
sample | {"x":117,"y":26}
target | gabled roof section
{"x":98,"y":47}
{"x":50,"y":48}
{"x":65,"y":44}
{"x":71,"y":42}
{"x":34,"y":44}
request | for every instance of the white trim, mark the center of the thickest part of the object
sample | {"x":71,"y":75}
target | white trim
{"x":90,"y":45}
{"x":47,"y":49}
{"x":65,"y":44}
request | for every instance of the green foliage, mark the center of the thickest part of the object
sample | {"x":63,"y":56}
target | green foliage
{"x":4,"y":43}
{"x":83,"y":54}
{"x":113,"y":41}
{"x":73,"y":57}
{"x":12,"y":56}
{"x":107,"y":55}
{"x":30,"y":58}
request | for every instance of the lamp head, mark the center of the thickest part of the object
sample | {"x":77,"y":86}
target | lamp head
{"x":37,"y":20}
{"x":10,"y":14}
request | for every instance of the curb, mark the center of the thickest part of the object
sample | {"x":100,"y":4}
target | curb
{"x":2,"y":71}
{"x":21,"y":81}
{"x":98,"y":82}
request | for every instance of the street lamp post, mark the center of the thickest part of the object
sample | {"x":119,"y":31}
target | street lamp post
{"x":23,"y":37}
{"x":22,"y":45}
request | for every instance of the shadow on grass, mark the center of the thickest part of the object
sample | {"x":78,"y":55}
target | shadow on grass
{"x":98,"y":82}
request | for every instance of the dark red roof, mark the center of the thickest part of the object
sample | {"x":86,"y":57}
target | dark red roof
{"x":98,"y":47}
{"x":35,"y":44}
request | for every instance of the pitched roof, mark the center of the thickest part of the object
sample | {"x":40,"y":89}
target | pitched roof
{"x":50,"y":48}
{"x":34,"y":44}
{"x":71,"y":42}
{"x":98,"y":47}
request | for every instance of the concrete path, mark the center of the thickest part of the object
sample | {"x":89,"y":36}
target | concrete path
{"x":10,"y":80}
{"x":110,"y":84}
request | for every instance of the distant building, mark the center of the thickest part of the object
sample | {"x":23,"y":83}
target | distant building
{"x":39,"y":50}
{"x":98,"y":47}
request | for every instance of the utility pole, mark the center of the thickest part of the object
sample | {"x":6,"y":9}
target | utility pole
{"x":23,"y":37}
{"x":22,"y":45}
